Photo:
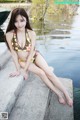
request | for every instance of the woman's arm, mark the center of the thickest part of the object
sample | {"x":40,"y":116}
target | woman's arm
{"x":9,"y":36}
{"x":33,"y":38}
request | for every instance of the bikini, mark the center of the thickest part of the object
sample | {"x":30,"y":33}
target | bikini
{"x":27,"y":46}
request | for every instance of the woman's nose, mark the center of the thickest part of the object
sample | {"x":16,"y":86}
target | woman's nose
{"x":19,"y":24}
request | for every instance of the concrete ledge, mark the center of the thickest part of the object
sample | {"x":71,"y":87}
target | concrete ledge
{"x":9,"y":88}
{"x":35,"y":99}
{"x":37,"y":102}
{"x":4,"y":58}
{"x":32,"y":100}
{"x":57,"y":111}
{"x":4,"y":55}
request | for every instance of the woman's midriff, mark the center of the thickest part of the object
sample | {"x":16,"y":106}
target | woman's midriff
{"x":22,"y":57}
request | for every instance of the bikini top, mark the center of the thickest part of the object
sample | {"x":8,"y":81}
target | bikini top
{"x":17,"y":47}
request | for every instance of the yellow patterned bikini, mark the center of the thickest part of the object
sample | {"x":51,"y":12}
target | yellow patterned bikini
{"x":27,"y":46}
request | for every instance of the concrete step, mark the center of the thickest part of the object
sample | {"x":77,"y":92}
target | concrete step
{"x":36,"y":101}
{"x":9,"y":87}
{"x":32,"y":101}
{"x":35,"y":97}
{"x":4,"y":55}
{"x":57,"y":111}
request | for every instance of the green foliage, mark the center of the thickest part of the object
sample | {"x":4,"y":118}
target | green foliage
{"x":42,"y":9}
{"x":39,"y":9}
{"x":9,"y":1}
{"x":38,"y":1}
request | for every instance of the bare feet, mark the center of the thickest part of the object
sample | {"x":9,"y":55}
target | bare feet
{"x":61,"y":100}
{"x":70,"y":102}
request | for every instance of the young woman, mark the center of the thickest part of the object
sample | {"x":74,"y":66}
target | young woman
{"x":20,"y":39}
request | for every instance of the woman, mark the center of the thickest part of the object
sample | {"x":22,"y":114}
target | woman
{"x":20,"y":39}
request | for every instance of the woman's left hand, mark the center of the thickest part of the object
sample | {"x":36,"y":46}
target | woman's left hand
{"x":17,"y":73}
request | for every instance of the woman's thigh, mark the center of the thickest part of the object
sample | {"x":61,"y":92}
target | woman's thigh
{"x":41,"y":62}
{"x":35,"y":69}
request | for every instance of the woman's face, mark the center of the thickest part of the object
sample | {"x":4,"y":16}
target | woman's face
{"x":20,"y":22}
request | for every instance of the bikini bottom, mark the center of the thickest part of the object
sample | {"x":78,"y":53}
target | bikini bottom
{"x":32,"y":59}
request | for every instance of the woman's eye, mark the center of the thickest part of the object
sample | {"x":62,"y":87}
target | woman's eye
{"x":22,"y":20}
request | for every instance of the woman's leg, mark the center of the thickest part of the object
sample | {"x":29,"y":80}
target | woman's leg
{"x":40,"y":62}
{"x":43,"y":76}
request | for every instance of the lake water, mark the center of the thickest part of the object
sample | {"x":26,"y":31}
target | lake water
{"x":61,"y":49}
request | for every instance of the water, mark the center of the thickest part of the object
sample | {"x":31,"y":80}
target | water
{"x":61,"y":49}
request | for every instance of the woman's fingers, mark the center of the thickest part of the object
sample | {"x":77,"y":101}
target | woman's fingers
{"x":14,"y":74}
{"x":18,"y":74}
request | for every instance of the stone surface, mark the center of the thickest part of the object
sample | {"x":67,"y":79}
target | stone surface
{"x":57,"y":111}
{"x":32,"y":101}
{"x":4,"y":55}
{"x":9,"y":87}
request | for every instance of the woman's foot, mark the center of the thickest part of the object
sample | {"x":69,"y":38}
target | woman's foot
{"x":69,"y":102}
{"x":61,"y":100}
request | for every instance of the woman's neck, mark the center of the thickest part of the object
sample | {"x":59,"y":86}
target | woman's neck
{"x":21,"y":31}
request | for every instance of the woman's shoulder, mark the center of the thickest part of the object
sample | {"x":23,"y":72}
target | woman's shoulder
{"x":31,"y":32}
{"x":9,"y":34}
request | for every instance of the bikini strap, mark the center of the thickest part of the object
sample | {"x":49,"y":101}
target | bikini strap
{"x":14,"y":36}
{"x":27,"y":37}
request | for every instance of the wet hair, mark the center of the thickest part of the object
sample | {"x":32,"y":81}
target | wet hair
{"x":14,"y":14}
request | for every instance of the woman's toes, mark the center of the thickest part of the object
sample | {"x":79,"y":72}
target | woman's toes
{"x":61,"y":100}
{"x":70,"y":102}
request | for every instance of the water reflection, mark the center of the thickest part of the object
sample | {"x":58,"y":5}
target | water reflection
{"x":52,"y":22}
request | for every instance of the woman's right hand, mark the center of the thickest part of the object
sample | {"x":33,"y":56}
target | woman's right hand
{"x":24,"y":74}
{"x":17,"y":73}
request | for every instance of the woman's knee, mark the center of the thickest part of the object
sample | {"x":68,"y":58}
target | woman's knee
{"x":41,"y":73}
{"x":51,"y":69}
{"x":49,"y":73}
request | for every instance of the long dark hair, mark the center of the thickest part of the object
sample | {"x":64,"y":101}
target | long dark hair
{"x":14,"y":14}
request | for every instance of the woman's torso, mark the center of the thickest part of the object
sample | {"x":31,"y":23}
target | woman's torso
{"x":22,"y":52}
